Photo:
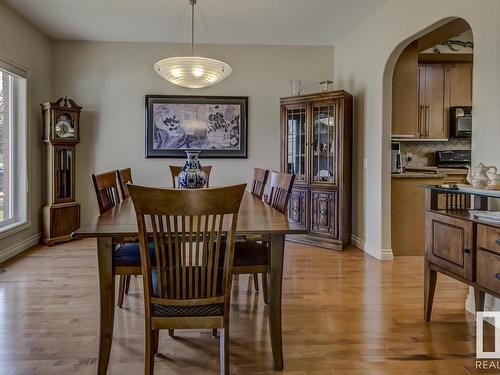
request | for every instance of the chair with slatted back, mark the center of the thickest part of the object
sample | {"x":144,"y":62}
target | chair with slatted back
{"x":175,"y":170}
{"x":252,"y":257}
{"x":124,"y":178}
{"x":259,"y":182}
{"x":187,"y":280}
{"x":127,"y":258}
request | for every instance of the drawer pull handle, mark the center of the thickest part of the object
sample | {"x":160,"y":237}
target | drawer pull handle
{"x":467,"y":251}
{"x":497,"y":276}
{"x":498,"y":242}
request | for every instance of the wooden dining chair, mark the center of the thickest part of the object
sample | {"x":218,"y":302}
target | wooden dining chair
{"x":175,"y":170}
{"x":252,"y":257}
{"x":187,"y":280}
{"x":259,"y":182}
{"x":124,"y":177}
{"x":127,"y":258}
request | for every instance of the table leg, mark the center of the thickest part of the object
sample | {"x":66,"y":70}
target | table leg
{"x":479,"y":299}
{"x":106,"y":300}
{"x":430,"y":278}
{"x":275,"y":281}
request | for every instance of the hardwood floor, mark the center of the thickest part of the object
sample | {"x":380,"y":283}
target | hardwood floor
{"x":343,"y":313}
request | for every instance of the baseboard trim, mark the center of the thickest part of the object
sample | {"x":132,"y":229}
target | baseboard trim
{"x":380,"y":254}
{"x":19,"y":247}
{"x":358,"y":242}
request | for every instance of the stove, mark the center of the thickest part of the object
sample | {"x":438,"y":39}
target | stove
{"x":453,"y":158}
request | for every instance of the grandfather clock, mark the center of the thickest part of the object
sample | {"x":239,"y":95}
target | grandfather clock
{"x":61,"y":133}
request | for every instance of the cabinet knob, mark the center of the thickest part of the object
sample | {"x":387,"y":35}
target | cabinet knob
{"x":467,"y":251}
{"x":498,"y":242}
{"x":497,"y":276}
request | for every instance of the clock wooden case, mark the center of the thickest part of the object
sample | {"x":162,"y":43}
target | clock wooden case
{"x":61,"y":134}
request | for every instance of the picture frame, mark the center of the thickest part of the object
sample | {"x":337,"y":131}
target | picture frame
{"x":215,"y":125}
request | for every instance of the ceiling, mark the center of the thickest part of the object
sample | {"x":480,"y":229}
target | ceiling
{"x":289,"y":22}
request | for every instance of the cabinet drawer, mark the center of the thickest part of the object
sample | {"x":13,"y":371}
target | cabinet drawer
{"x":488,"y":271}
{"x":488,"y":238}
{"x":449,"y":243}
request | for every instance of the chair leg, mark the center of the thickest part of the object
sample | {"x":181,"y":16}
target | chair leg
{"x":155,"y":338}
{"x":265,"y":287}
{"x":121,"y":290}
{"x":149,"y":366}
{"x":127,"y":283}
{"x":224,"y":351}
{"x":214,"y":332}
{"x":256,"y":281}
{"x":171,"y":333}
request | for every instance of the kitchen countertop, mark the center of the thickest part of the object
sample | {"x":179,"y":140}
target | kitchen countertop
{"x":419,"y":175}
{"x":430,"y":172}
{"x":463,"y":171}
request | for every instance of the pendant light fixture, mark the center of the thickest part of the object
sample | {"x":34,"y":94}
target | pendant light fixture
{"x":192,"y":71}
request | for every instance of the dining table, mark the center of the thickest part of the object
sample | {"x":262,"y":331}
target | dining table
{"x":118,"y":225}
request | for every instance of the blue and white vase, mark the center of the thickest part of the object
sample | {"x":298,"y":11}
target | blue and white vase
{"x":192,"y":176}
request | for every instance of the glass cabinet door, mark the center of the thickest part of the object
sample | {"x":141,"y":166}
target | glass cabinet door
{"x":296,"y":143}
{"x":324,"y":144}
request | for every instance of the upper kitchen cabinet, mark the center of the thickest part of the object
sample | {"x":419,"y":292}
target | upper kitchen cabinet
{"x":433,"y":102}
{"x":421,"y":101}
{"x":404,"y":94}
{"x":460,"y":84}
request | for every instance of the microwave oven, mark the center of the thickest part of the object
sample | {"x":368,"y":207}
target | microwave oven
{"x":461,"y":122}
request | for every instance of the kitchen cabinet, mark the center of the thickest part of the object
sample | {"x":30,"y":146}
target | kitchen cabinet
{"x":433,"y":103}
{"x":460,"y":84}
{"x":407,"y":207}
{"x":316,"y":146}
{"x":404,"y":94}
{"x":423,"y":94}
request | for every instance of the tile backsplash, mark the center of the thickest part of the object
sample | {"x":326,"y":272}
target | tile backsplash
{"x":424,"y":153}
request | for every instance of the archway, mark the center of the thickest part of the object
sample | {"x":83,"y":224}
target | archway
{"x":432,"y":35}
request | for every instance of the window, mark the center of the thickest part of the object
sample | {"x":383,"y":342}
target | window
{"x":13,"y":150}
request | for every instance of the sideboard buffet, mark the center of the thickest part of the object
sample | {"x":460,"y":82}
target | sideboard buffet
{"x":459,"y":244}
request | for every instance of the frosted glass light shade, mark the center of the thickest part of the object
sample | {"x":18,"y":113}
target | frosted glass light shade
{"x":192,"y":71}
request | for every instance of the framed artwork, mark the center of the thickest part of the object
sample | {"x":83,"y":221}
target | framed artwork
{"x":214,"y":125}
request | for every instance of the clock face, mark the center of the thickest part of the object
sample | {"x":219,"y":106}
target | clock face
{"x":64,"y":127}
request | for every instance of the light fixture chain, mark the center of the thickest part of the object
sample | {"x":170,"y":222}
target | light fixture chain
{"x":179,"y":23}
{"x":193,"y":3}
{"x":205,"y":24}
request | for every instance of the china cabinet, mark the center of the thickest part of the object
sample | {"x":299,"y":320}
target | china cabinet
{"x":61,"y":134}
{"x":316,"y":137}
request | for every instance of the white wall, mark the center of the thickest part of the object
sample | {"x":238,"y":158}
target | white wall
{"x":360,"y":67}
{"x":23,"y":44}
{"x":110,"y":80}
